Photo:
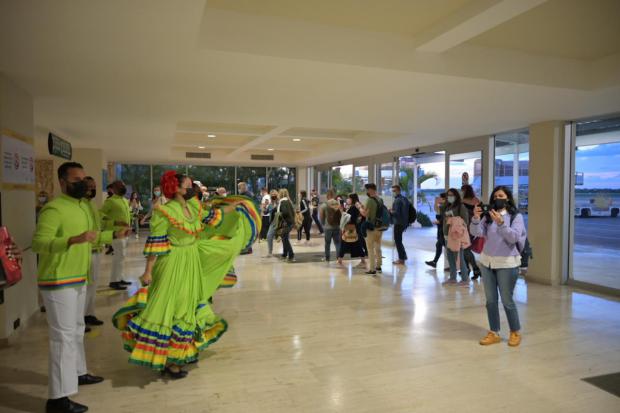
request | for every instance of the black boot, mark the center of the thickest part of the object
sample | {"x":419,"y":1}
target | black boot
{"x":64,"y":405}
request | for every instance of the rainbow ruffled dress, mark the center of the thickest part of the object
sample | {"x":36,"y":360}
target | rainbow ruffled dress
{"x":171,"y":321}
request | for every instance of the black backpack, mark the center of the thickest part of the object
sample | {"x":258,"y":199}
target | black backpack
{"x":413,"y":214}
{"x":525,"y":249}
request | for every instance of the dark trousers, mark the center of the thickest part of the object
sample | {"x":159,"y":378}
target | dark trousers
{"x":305,"y":226}
{"x":470,"y":259}
{"x":398,"y":240}
{"x":287,"y":251}
{"x":265,"y":227}
{"x":315,"y":218}
{"x":441,"y":242}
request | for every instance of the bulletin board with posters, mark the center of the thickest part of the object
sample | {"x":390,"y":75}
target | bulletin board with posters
{"x":17,"y":161}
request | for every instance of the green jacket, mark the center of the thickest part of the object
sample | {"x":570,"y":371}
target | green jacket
{"x":115,"y":208}
{"x":61,"y":265}
{"x":98,"y":220}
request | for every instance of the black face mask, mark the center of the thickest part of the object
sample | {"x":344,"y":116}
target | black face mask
{"x":189,"y":194}
{"x":77,"y":190}
{"x":500,"y":204}
{"x":110,"y":193}
{"x":122,"y":191}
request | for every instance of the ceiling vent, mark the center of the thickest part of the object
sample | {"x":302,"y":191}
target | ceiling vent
{"x":262,"y":157}
{"x":198,"y":155}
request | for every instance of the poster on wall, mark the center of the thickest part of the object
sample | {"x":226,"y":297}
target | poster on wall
{"x":17,"y":161}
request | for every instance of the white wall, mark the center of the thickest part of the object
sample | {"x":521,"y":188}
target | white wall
{"x":18,"y":213}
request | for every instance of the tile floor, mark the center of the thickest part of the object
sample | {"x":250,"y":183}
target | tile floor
{"x":317,"y":338}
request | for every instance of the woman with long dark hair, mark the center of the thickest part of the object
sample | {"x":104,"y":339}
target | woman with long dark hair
{"x":454,"y":208}
{"x":165,"y":325}
{"x":351,"y":242}
{"x":504,"y":231}
{"x":470,"y":200}
{"x":304,"y":209}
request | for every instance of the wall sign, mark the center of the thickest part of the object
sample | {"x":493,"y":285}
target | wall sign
{"x":17,"y":161}
{"x":59,"y":147}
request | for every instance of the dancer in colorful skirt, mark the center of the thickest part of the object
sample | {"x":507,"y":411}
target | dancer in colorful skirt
{"x":189,"y":253}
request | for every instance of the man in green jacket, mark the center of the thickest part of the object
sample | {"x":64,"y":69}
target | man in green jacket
{"x":117,"y":216}
{"x":63,"y":239}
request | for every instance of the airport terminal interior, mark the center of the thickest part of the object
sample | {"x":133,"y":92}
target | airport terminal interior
{"x":250,"y":206}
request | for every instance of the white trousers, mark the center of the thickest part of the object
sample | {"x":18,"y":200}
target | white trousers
{"x":118,"y":261}
{"x":91,"y":288}
{"x":65,"y":318}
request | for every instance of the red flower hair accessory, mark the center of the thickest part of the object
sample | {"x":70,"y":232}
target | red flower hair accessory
{"x":169,"y":184}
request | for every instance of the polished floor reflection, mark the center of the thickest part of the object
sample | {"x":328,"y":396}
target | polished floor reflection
{"x":312,"y":337}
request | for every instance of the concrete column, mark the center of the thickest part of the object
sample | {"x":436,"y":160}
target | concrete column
{"x":546,"y":208}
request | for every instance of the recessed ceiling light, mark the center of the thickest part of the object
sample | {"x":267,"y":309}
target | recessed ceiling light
{"x":211,"y":135}
{"x":296,"y":140}
{"x":270,"y":149}
{"x":201,"y":147}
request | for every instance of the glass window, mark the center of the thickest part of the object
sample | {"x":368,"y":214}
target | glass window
{"x":406,"y":166}
{"x":386,"y":178}
{"x":159,"y":170}
{"x":214,"y":176}
{"x":256,"y":178}
{"x":596,"y":247}
{"x":512,"y":164}
{"x":342,"y":179}
{"x":323,"y":182}
{"x":466,"y":168}
{"x":137,"y":178}
{"x":283,"y":177}
{"x":361,"y":179}
{"x":431,"y":181}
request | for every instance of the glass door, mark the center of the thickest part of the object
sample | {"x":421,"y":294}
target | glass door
{"x":422,"y":178}
{"x":596,"y":199}
{"x":466,"y":168}
{"x":255,"y":178}
{"x":512,"y":164}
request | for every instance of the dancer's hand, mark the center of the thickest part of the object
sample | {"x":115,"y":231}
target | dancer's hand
{"x":88,"y":236}
{"x":146,"y":279}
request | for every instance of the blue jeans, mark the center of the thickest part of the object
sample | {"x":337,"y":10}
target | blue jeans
{"x":452,"y":260}
{"x":271,"y":234}
{"x":332,"y":234}
{"x":503,"y":280}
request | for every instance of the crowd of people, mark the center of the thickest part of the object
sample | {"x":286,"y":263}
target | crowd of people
{"x":192,"y":244}
{"x":464,"y":225}
{"x":195,"y":235}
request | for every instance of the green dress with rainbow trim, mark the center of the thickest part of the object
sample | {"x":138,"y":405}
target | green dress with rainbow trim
{"x":171,"y":321}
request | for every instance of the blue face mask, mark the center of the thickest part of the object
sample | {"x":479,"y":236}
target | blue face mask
{"x":157,"y":193}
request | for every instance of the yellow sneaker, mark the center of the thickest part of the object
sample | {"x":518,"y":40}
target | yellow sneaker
{"x":515,"y":339}
{"x":491,"y":338}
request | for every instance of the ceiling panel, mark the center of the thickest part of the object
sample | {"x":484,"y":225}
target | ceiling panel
{"x":405,"y":17}
{"x":576,"y":29}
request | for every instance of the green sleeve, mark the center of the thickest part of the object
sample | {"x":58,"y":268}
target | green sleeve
{"x":107,"y":221}
{"x":45,"y":240}
{"x":104,"y":237}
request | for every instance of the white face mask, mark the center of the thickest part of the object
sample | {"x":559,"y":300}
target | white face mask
{"x":451,"y":199}
{"x":42,"y":199}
